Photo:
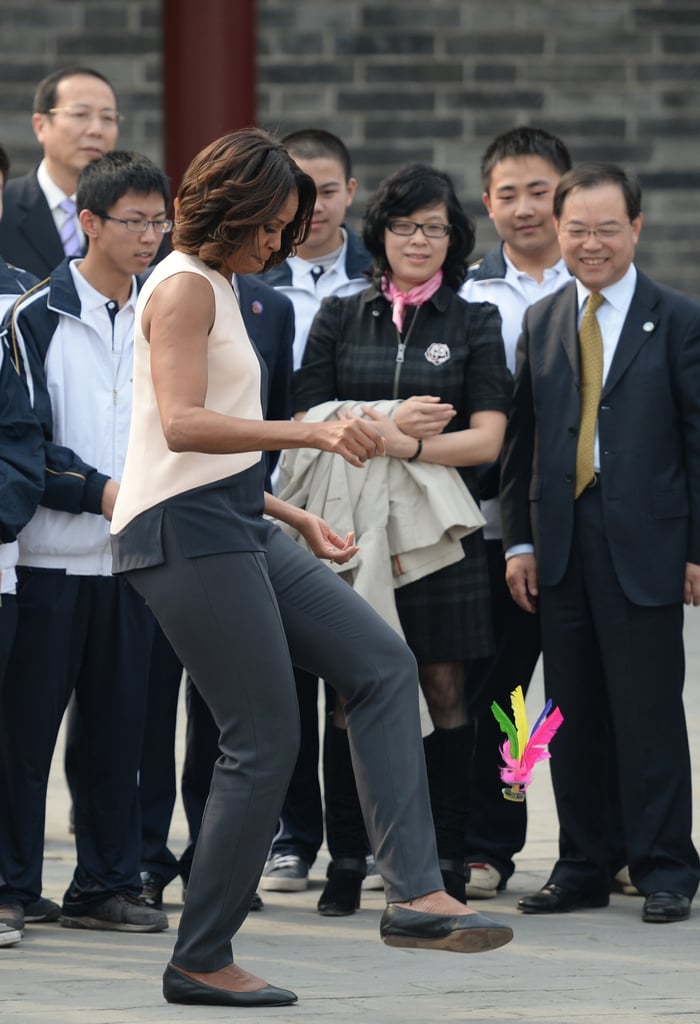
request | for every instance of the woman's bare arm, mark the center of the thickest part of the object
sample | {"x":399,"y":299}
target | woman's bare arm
{"x":176,"y":322}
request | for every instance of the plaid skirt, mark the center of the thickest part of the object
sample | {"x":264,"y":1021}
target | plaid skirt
{"x":446,"y":616}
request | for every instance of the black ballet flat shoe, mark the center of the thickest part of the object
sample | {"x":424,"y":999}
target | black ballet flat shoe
{"x":454,"y":878}
{"x":463,"y":933}
{"x":341,"y":895}
{"x":180,"y":988}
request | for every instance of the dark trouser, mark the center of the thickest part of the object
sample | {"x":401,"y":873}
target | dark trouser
{"x":91,"y":634}
{"x":234,"y":620}
{"x":616,"y":671}
{"x":496,"y":827}
{"x":8,"y":625}
{"x":300,"y":829}
{"x":157,"y":779}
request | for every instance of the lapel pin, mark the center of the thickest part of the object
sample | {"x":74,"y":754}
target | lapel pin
{"x":257,"y":307}
{"x":648,"y":326}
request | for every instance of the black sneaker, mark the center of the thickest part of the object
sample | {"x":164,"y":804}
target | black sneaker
{"x":41,"y":911}
{"x":120,"y":913}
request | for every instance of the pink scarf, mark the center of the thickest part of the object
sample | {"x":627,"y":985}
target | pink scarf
{"x":415,"y":297}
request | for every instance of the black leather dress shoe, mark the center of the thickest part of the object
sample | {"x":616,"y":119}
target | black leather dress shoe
{"x":665,"y":907}
{"x":179,"y":988}
{"x":553,"y":899}
{"x":461,"y":933}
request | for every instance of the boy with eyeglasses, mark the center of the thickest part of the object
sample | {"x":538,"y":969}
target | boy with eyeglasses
{"x":331,"y":261}
{"x":79,"y":628}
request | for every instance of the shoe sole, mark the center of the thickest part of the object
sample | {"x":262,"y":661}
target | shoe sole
{"x":564,"y":910}
{"x":471,"y":940}
{"x":650,"y":919}
{"x":284,"y":884}
{"x":474,"y":892}
{"x":95,"y":924}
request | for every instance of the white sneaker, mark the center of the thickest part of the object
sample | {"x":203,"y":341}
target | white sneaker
{"x":9,"y":936}
{"x":482,"y":882}
{"x":372,"y":880}
{"x":285,"y":872}
{"x":622,"y":883}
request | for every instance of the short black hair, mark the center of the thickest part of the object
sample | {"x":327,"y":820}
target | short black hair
{"x":592,"y":174}
{"x":45,"y":93}
{"x":524,"y":141}
{"x":412,"y":188}
{"x":312,"y":143}
{"x":4,"y":163}
{"x":103,"y":182}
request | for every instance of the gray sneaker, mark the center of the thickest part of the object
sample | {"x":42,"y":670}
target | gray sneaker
{"x":9,"y":936}
{"x":11,"y":924}
{"x":372,"y":880}
{"x":285,"y":873}
{"x":120,"y":913}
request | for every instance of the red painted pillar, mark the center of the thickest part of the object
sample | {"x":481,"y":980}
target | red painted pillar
{"x":209,"y":75}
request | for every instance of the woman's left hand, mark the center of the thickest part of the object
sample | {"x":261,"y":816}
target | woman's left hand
{"x":324,"y":542}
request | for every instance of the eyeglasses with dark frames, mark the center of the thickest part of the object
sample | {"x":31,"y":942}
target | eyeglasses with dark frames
{"x":161,"y":227}
{"x":409,"y":227}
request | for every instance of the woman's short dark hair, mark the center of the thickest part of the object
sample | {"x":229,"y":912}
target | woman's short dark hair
{"x":235,"y":185}
{"x":593,"y":174}
{"x":406,"y":190}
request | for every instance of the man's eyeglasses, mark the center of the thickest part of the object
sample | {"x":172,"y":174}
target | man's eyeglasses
{"x":605,"y":233}
{"x":409,"y":227}
{"x":84,"y":115}
{"x":161,"y":227}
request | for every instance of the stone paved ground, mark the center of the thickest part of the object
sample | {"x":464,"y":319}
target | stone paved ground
{"x":578,"y":968}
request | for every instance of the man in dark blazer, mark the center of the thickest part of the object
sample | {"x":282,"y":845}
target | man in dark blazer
{"x":75,"y":120}
{"x":605,"y":539}
{"x":269,"y":319}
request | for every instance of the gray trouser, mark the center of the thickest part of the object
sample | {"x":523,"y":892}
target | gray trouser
{"x":237,"y":622}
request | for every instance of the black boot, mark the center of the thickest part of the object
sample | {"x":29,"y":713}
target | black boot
{"x":341,"y":896}
{"x":448,"y":754}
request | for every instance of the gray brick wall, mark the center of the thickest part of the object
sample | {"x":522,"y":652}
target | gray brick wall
{"x":121,"y":38}
{"x":428,"y":80}
{"x":434,"y":80}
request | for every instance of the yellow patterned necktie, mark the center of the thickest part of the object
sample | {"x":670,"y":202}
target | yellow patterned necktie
{"x":591,"y":357}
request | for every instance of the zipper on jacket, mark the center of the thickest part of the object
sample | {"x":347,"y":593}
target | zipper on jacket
{"x":400,"y":352}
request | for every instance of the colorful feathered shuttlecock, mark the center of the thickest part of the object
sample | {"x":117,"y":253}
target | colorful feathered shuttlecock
{"x":520,"y":752}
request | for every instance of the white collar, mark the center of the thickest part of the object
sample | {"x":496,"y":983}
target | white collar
{"x":619,"y":294}
{"x":90,"y":298}
{"x":54,"y":194}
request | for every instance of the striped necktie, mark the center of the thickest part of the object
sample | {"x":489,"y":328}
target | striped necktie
{"x":70,"y":239}
{"x":591,"y":357}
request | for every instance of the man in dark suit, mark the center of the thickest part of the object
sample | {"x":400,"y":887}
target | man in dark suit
{"x":269,"y":319}
{"x":601,"y":503}
{"x":75,"y":120}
